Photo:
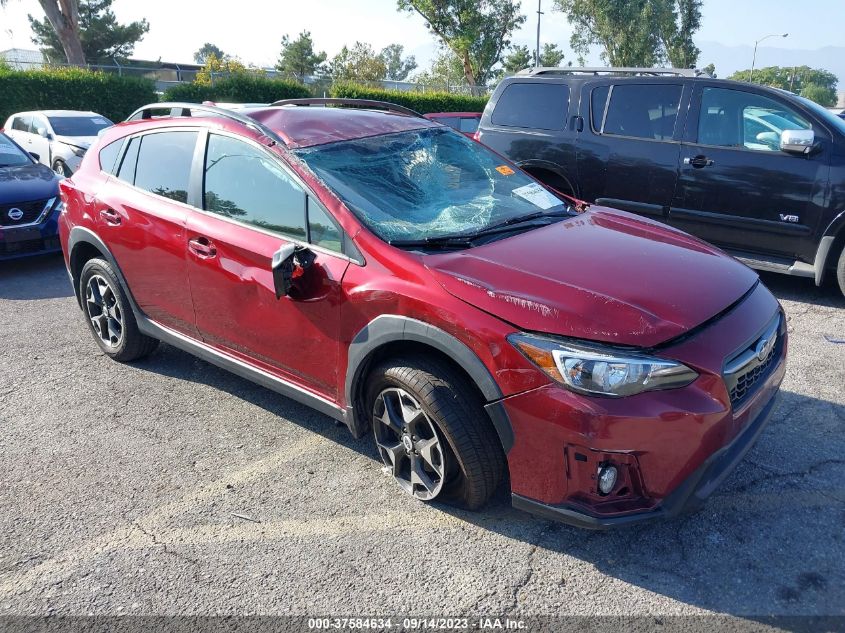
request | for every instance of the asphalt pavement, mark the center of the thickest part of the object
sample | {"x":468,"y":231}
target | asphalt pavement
{"x":171,"y":487}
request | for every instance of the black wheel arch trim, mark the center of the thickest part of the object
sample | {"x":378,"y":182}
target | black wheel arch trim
{"x":80,"y":235}
{"x":388,"y":328}
{"x":535,"y":164}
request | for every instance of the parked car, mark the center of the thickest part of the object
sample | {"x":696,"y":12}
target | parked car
{"x":29,"y":204}
{"x":409,"y":282}
{"x":757,"y":171}
{"x":464,"y":122}
{"x":58,"y":138}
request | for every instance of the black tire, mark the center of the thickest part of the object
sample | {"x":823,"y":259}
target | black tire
{"x":474,"y":459}
{"x":840,"y":271}
{"x":130,"y":344}
{"x":61,"y":168}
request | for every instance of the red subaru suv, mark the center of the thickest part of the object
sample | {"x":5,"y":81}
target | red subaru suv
{"x":413,"y":284}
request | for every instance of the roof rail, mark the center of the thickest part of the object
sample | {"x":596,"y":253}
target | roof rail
{"x":351,"y":103}
{"x":187,"y":110}
{"x":584,"y":70}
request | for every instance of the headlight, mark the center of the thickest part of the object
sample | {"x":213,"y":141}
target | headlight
{"x":79,"y":151}
{"x":599,"y":371}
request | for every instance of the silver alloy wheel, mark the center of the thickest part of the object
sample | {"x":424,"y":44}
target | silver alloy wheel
{"x":409,"y":444}
{"x":104,"y":311}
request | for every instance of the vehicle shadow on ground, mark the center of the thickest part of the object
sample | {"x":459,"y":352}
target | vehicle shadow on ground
{"x":34,"y":278}
{"x":804,"y":290}
{"x":770,"y":540}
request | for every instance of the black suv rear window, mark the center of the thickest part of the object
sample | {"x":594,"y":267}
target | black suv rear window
{"x":535,"y":105}
{"x":643,"y":111}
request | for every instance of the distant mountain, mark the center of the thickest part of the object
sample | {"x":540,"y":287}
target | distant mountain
{"x":729,"y":59}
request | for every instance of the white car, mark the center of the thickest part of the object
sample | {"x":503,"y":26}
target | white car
{"x":57,"y":138}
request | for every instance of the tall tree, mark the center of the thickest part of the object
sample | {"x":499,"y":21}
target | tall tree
{"x":680,"y":19}
{"x":635,"y":32}
{"x":207,"y":49}
{"x":298,"y":57}
{"x":446,"y":70}
{"x":101,"y":36}
{"x":359,"y":63}
{"x":518,"y":57}
{"x":398,"y":68}
{"x":476,"y":31}
{"x":63,"y":16}
{"x":551,"y":55}
{"x":814,"y":83}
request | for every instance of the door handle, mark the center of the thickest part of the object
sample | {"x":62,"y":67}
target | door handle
{"x":110,"y":216}
{"x":202,"y":247}
{"x":698,"y":161}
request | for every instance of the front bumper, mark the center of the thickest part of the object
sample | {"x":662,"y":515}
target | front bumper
{"x":671,"y":448}
{"x":687,"y":497}
{"x":17,"y":242}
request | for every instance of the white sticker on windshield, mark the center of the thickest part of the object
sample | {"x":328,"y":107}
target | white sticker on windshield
{"x":537,"y":195}
{"x":100,"y":120}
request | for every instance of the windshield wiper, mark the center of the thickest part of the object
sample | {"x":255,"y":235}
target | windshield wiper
{"x":439,"y":241}
{"x":466,"y":240}
{"x":521,"y":219}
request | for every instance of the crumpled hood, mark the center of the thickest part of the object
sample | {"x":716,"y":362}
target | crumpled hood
{"x":605,"y":275}
{"x":82,"y":142}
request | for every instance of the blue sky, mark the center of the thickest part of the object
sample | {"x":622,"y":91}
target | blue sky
{"x":252,"y":29}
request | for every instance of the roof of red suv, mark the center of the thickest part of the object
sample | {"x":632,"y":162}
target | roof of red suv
{"x":306,"y":126}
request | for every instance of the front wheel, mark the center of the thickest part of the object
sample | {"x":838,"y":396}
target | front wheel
{"x":433,"y":434}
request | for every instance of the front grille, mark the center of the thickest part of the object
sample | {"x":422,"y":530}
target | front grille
{"x":746,"y":370}
{"x":745,"y":382}
{"x":30,"y":211}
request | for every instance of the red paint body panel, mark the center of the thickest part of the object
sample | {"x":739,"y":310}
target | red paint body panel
{"x":301,"y":126}
{"x":601,"y":276}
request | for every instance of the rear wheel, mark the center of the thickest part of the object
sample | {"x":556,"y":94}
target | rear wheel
{"x":109,"y":314}
{"x":433,"y":434}
{"x":840,"y":271}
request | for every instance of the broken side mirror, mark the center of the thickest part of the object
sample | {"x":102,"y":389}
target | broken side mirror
{"x":289,"y":264}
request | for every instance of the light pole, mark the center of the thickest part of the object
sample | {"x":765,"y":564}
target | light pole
{"x":754,"y":60}
{"x":537,"y":51}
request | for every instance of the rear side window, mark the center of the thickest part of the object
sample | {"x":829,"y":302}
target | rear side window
{"x":598,"y":102}
{"x":164,"y":164}
{"x":535,"y":105}
{"x":22,"y":123}
{"x":108,"y":156}
{"x":643,"y":111}
{"x":242,"y":182}
{"x":468,"y":125}
{"x":130,"y":160}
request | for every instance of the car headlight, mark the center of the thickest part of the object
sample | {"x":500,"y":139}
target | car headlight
{"x":79,"y":151}
{"x":600,"y":371}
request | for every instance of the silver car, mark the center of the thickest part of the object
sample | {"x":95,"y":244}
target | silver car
{"x":57,"y":138}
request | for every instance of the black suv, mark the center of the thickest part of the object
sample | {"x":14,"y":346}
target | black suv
{"x":756,"y":170}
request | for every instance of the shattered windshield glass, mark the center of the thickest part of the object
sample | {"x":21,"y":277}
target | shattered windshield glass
{"x":425,"y":183}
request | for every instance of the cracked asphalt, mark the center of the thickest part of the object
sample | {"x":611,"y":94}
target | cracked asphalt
{"x":169,"y":486}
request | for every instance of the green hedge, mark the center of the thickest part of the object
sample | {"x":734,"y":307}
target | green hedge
{"x":112,"y":96}
{"x":422,"y":102}
{"x":242,"y":88}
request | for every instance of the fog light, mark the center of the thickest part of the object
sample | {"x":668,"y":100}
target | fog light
{"x":607,"y":479}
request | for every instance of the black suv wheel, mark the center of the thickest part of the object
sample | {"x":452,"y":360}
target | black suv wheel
{"x":432,"y":432}
{"x":109,"y":314}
